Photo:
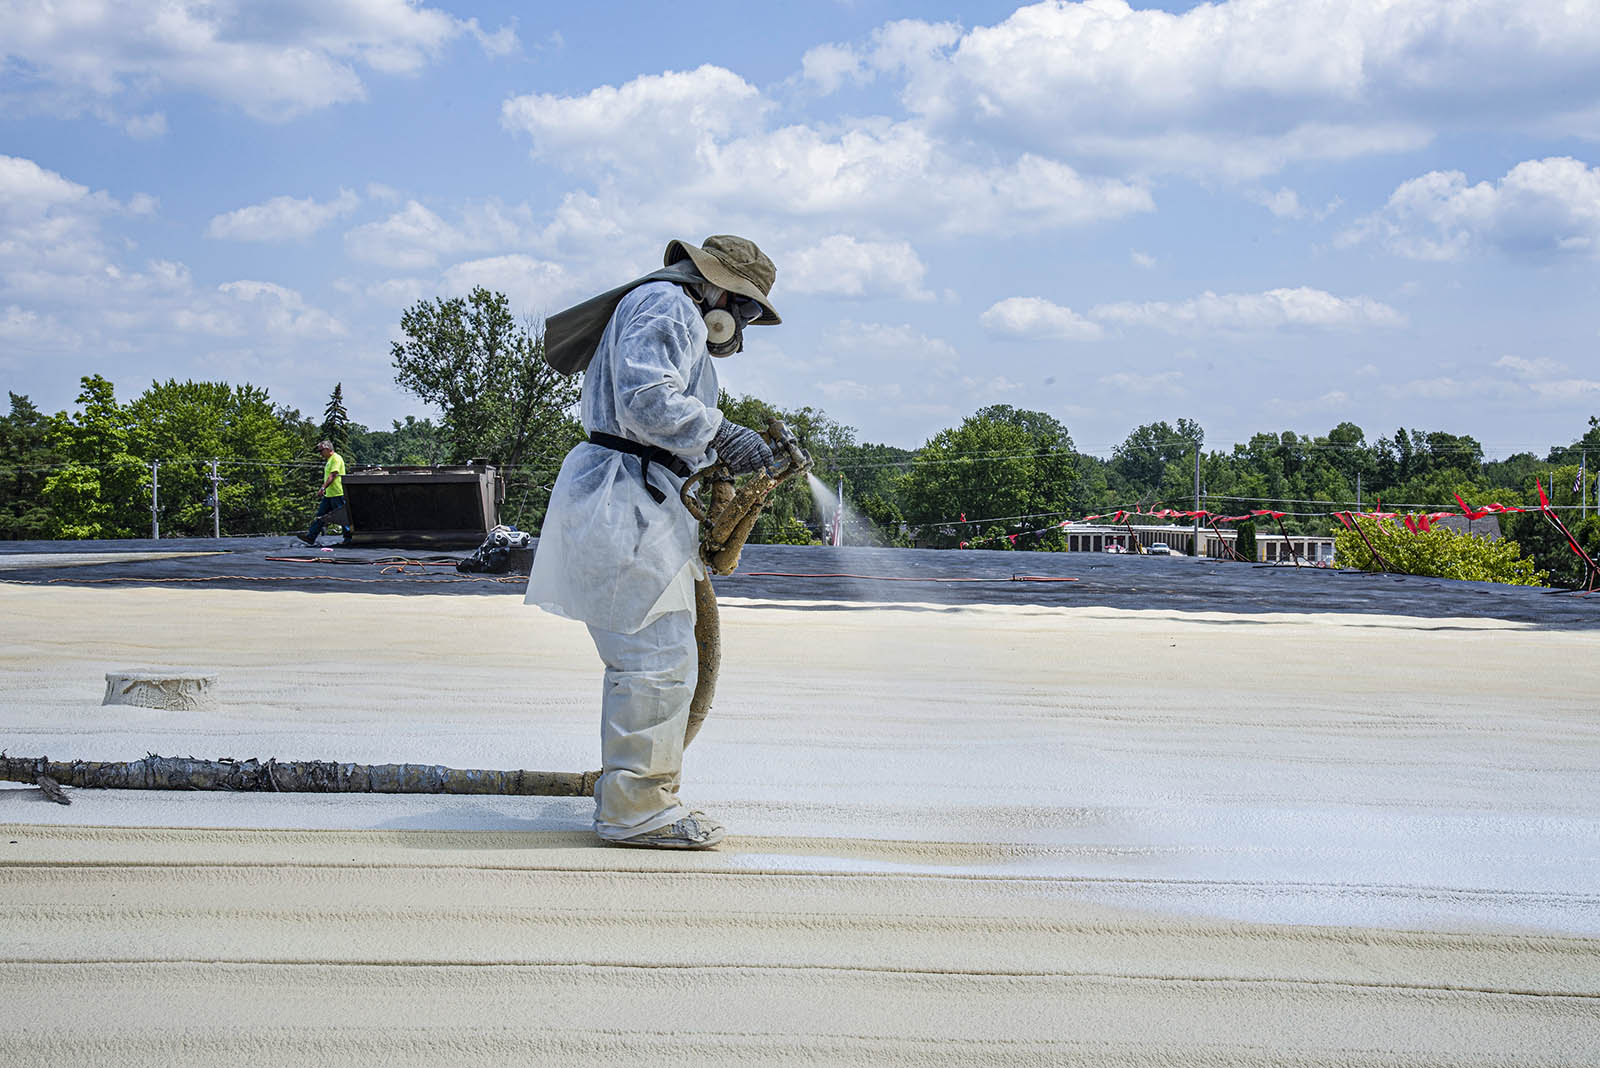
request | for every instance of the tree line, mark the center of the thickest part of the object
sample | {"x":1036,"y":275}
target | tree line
{"x":1002,"y":471}
{"x":1007,"y":471}
{"x":95,"y":471}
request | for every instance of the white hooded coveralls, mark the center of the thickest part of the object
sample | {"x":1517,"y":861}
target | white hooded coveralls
{"x":613,"y":557}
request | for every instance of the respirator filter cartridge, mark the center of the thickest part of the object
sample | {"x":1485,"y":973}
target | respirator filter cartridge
{"x":721,"y":329}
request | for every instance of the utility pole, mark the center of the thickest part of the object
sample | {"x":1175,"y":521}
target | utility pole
{"x":1197,"y":499}
{"x":155,"y":499}
{"x":1583,"y":482}
{"x":838,"y":516}
{"x":216,"y":502}
{"x":1358,"y":491}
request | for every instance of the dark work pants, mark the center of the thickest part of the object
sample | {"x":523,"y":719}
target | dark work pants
{"x":326,"y":505}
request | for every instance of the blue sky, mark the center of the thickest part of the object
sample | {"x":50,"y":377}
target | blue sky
{"x":1262,"y":215}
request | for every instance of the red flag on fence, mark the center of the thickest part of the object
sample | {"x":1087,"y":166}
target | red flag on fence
{"x":1469,"y":512}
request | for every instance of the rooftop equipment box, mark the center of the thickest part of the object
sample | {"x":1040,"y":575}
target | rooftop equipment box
{"x":423,"y":505}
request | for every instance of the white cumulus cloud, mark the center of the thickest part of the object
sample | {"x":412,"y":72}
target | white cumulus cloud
{"x":273,"y":61}
{"x":51,"y":243}
{"x":830,"y":66}
{"x":1037,"y":319}
{"x":1274,"y":309}
{"x":888,"y":341}
{"x":1541,"y":367}
{"x":1285,"y":203}
{"x":284,"y":312}
{"x":415,"y":237}
{"x":532,"y":286}
{"x":1241,"y":87}
{"x":840,"y":265}
{"x":848,"y":389}
{"x":24,"y":328}
{"x":1540,"y":208}
{"x":682,"y":151}
{"x":632,"y":126}
{"x":281,"y":218}
{"x":1159,"y":382}
{"x":1547,"y":378}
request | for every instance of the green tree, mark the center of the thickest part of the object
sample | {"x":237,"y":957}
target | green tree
{"x":873,"y":476}
{"x":1092,"y":490}
{"x":887,"y":520}
{"x":500,"y":400}
{"x":1411,"y":456}
{"x":1348,"y":453}
{"x":1590,"y":442}
{"x":794,"y":501}
{"x":792,"y":532}
{"x":1512,"y":473}
{"x":1156,"y":461}
{"x":1543,"y":542}
{"x":486,"y":373}
{"x":188,"y":424}
{"x":416,"y":442}
{"x":26,"y":460}
{"x":999,"y":465}
{"x":103,"y":489}
{"x":1294,"y":473}
{"x":335,"y":427}
{"x":1396,"y":458}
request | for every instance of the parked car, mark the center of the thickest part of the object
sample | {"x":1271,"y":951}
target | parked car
{"x":1160,"y":548}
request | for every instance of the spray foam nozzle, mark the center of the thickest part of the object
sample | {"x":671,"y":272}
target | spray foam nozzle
{"x":788,"y":456}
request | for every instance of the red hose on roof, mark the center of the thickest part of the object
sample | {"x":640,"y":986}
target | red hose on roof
{"x":895,"y":578}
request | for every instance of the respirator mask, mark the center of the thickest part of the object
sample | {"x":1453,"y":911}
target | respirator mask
{"x":725,"y":325}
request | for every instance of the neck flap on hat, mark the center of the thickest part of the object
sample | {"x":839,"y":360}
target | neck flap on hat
{"x":572,"y":335}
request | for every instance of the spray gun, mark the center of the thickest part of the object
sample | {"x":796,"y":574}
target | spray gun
{"x":788,"y":457}
{"x":727,"y":509}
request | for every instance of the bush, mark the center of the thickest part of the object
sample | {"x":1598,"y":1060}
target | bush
{"x":790,"y":531}
{"x":993,"y":538}
{"x":1245,"y":544}
{"x":1439,"y":553}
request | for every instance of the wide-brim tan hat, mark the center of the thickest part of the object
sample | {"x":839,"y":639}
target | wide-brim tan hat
{"x":735,"y":264}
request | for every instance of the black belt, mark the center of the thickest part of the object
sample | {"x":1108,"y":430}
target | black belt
{"x":647,"y":454}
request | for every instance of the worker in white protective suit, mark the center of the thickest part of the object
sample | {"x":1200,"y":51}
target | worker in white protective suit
{"x":618,"y":550}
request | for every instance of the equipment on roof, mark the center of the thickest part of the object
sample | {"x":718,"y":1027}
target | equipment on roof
{"x":415,"y":506}
{"x":506,"y":549}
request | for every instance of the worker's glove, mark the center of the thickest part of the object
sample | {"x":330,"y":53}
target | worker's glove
{"x":741,"y":448}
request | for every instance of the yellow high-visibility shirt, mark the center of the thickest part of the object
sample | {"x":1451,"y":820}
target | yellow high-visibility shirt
{"x":334,"y":467}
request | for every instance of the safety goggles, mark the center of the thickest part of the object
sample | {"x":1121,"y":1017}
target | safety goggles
{"x":744,"y":308}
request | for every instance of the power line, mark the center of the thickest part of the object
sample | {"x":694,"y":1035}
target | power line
{"x":1130,"y":514}
{"x":1380,"y":450}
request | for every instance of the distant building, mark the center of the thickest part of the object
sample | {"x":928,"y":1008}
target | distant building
{"x":1270,"y":548}
{"x":1314,"y":549}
